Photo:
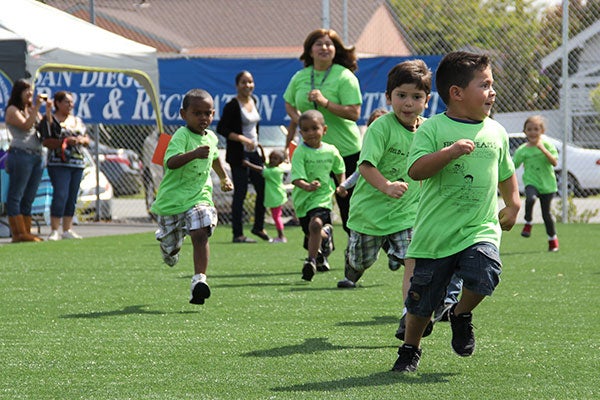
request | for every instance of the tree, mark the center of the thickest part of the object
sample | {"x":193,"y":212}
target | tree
{"x":507,"y":30}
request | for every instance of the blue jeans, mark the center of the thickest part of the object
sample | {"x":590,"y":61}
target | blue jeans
{"x":25,"y":173}
{"x":65,"y":185}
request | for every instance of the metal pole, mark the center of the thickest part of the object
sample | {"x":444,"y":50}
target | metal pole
{"x":566,"y":104}
{"x":345,"y":22}
{"x":97,"y":161}
{"x":92,"y":13}
{"x":325,"y":14}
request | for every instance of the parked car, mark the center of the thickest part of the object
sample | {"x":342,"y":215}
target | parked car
{"x":153,"y":173}
{"x":583,"y":174}
{"x":122,"y":167}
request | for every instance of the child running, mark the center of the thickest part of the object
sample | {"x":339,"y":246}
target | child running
{"x":539,"y":157}
{"x":184,"y":204}
{"x":275,"y":193}
{"x":462,"y":157}
{"x":312,"y":163}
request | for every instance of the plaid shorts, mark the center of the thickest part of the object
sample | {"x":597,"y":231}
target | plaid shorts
{"x":363,"y":250}
{"x":172,"y":229}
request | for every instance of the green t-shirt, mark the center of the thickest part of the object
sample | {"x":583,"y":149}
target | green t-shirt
{"x":340,"y":87}
{"x":538,"y":172}
{"x":315,"y":164}
{"x":275,"y":194}
{"x":385,"y":146}
{"x":459,"y":204}
{"x":191,"y":184}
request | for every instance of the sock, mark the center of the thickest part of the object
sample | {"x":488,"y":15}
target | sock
{"x":552,"y":237}
{"x":404,"y":311}
{"x":199,"y":277}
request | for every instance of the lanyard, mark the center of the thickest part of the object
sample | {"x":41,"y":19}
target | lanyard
{"x":312,"y":81}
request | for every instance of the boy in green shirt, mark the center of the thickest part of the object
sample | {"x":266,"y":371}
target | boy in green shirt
{"x":184,"y":202}
{"x":462,"y":157}
{"x":312,"y":163}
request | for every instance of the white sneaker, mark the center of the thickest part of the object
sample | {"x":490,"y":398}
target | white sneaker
{"x":54,"y":235}
{"x":71,"y":234}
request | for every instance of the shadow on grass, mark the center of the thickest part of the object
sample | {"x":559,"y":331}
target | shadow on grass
{"x":309,"y":346}
{"x":131,"y":310}
{"x":251,"y":275}
{"x":385,"y":320}
{"x":376,"y":379}
{"x":304,"y":287}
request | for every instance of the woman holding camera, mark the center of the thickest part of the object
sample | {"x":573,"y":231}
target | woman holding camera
{"x":64,"y":135}
{"x":24,"y":163}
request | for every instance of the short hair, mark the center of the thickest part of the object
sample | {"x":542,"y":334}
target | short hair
{"x":310,"y":115}
{"x":535,"y":119}
{"x":458,"y":68}
{"x":345,"y":56}
{"x":195,"y":94}
{"x":412,"y":72}
{"x":239,"y":75}
{"x":16,"y":98}
{"x":378,"y":112}
{"x":277,"y":152}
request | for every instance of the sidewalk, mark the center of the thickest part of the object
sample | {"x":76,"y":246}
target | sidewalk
{"x":93,"y":229}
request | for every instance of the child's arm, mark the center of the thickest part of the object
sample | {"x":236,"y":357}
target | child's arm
{"x":509,"y":190}
{"x":226,"y":184}
{"x":180,"y":160}
{"x":553,"y":160}
{"x":308,"y":186}
{"x":350,"y":182}
{"x":430,"y":164}
{"x":379,"y":182}
{"x":252,"y":166}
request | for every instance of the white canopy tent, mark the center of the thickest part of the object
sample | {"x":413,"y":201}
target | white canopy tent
{"x":57,"y":41}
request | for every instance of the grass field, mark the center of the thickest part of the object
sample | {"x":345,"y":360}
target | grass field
{"x":103,"y":318}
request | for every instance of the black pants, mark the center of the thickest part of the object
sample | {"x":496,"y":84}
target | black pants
{"x":241,"y":176}
{"x":344,"y":202}
{"x":531,"y":194}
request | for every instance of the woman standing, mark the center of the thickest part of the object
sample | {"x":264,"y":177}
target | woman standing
{"x":327,"y":83}
{"x":64,"y":134}
{"x":24,"y":162}
{"x":239,"y":125}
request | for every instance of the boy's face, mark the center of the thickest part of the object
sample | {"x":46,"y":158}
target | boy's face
{"x":199,"y":115}
{"x":408,"y":103}
{"x":312,"y":131}
{"x":478,"y":98}
{"x":275,"y":159}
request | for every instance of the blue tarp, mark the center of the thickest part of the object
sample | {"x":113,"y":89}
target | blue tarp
{"x":114,"y":98}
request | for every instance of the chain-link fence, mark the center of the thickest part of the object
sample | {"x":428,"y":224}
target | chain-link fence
{"x":523,"y":37}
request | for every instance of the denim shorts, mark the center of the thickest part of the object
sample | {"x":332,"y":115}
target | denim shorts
{"x":479,"y":267}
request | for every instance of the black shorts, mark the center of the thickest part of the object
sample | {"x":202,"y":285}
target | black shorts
{"x":324,"y":214}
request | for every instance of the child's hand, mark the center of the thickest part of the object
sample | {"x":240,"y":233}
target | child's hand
{"x":462,"y":147}
{"x":245,"y":162}
{"x":396,"y":189}
{"x":508,"y":217}
{"x":202,"y":151}
{"x":226,"y":185}
{"x":341,"y":191}
{"x":314,"y":185}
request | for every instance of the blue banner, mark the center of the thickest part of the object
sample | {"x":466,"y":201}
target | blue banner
{"x":115,"y":98}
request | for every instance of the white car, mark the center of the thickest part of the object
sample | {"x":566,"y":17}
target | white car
{"x":86,"y":202}
{"x":583,"y":166}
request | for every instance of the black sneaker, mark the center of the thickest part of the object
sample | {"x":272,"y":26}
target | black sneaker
{"x":463,"y":338}
{"x":327,"y":243}
{"x":199,"y":292}
{"x":309,"y":270}
{"x":346,"y":284}
{"x":402,"y":328}
{"x":408,"y":359}
{"x":322,"y":263}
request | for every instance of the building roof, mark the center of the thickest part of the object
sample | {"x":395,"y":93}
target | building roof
{"x":242,"y":28}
